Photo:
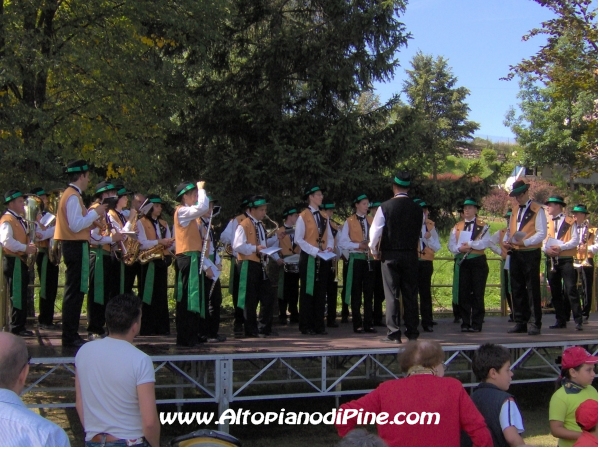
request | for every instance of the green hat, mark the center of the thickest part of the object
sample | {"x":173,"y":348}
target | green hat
{"x":153,"y":198}
{"x":556,"y":199}
{"x":580,"y":209}
{"x":256,"y":201}
{"x":424,"y":204}
{"x":311,"y":189}
{"x":38,"y":191}
{"x":508,"y":214}
{"x":326,"y":205}
{"x":402,"y":179}
{"x":417,"y":200}
{"x":245,"y":201}
{"x":289,"y":211}
{"x":182,"y":188}
{"x":472,"y":202}
{"x":121,"y":191}
{"x":374,"y":204}
{"x":12,"y":195}
{"x":359,"y":198}
{"x":77,"y":166}
{"x":104,"y":186}
{"x":518,"y":187}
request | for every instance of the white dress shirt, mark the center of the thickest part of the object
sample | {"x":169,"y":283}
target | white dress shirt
{"x":240,"y":242}
{"x":211,"y":244}
{"x":7,"y":237}
{"x":541,"y":227}
{"x":187,"y":214}
{"x":301,"y":230}
{"x":433,"y":241}
{"x":377,"y":227}
{"x":594,"y":248}
{"x":344,"y":242}
{"x":146,"y":243}
{"x":21,"y":427}
{"x":477,"y":244}
{"x":77,"y":221}
{"x":97,"y":238}
{"x":574,"y":233}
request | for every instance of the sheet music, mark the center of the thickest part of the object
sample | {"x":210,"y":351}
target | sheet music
{"x":47,"y":219}
{"x":517,"y":236}
{"x":270,"y":250}
{"x":326,"y":256}
{"x":551,"y":242}
{"x":463,"y":238}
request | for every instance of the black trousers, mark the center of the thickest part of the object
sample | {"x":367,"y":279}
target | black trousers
{"x":18,"y":316}
{"x":332,"y":293}
{"x":289,"y":302}
{"x":209,"y":326}
{"x":525,"y":284}
{"x":187,"y":322}
{"x":258,"y":291}
{"x":73,"y":297}
{"x":238,"y":313}
{"x":155,"y":316}
{"x":46,"y":315}
{"x":508,"y":295}
{"x":112,"y":281}
{"x":378,"y":293}
{"x":131,"y":273}
{"x":312,"y":307}
{"x":587,"y":279}
{"x":400,"y":275}
{"x":425,"y":299}
{"x":471,"y":291}
{"x":564,"y":273}
{"x":362,"y":287}
{"x":345,"y":308}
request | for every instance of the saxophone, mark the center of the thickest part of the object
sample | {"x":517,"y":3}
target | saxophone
{"x":131,"y":250}
{"x":152,"y":254}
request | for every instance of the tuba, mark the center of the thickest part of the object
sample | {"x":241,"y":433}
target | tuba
{"x":33,"y":207}
{"x":55,"y":247}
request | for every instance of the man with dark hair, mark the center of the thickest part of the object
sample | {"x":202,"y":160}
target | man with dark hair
{"x":20,"y":426}
{"x":114,"y":382}
{"x":394,"y":238}
{"x":73,"y":223}
{"x":491,"y":366}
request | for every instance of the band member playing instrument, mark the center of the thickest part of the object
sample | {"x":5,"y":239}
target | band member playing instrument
{"x":313,"y":235}
{"x":559,"y":264}
{"x":429,"y":244}
{"x":136,"y":268}
{"x":497,"y":239}
{"x":250,"y":239}
{"x":16,"y":246}
{"x":327,"y":208}
{"x":471,"y":264}
{"x":587,"y":236}
{"x":378,"y":294}
{"x":455,"y":307}
{"x":396,"y":226}
{"x":154,"y":232}
{"x":529,"y":218}
{"x":105,"y":274}
{"x":47,"y":272}
{"x":226,"y":238}
{"x":209,"y":326}
{"x":124,"y":220}
{"x":289,"y":278}
{"x":354,"y":239}
{"x":73,"y":224}
{"x":188,"y":248}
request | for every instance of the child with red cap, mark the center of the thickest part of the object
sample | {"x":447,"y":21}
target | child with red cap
{"x":577,"y":375}
{"x":587,"y":418}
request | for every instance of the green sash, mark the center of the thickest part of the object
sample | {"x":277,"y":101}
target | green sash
{"x":85,"y":268}
{"x":350,"y":274}
{"x":149,"y":284}
{"x":242,"y":287}
{"x":99,"y":275}
{"x":310,"y":275}
{"x":455,"y":279}
{"x":193,"y":286}
{"x":17,"y":291}
{"x":43,"y":275}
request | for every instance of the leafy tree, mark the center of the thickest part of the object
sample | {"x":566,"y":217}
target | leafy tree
{"x":440,"y":109}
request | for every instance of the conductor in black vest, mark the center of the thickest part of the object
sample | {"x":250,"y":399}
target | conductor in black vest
{"x":394,"y":238}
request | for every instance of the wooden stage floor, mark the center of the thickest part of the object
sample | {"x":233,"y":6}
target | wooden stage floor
{"x":47,"y":344}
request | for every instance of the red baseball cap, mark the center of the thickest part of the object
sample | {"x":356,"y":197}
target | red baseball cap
{"x":576,"y":356}
{"x":587,"y":414}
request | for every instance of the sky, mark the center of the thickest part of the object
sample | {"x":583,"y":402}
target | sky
{"x":480,"y":39}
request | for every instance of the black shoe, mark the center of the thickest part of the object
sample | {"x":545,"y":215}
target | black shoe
{"x":457,"y":320}
{"x":579,"y":327}
{"x":518,"y":328}
{"x":344,"y":319}
{"x":48,"y":327}
{"x":391,"y":340}
{"x":434,"y":323}
{"x":75,"y":343}
{"x":95,"y":336}
{"x":359,"y":330}
{"x":413,"y":338}
{"x":510,"y":319}
{"x":558,"y":324}
{"x":251,"y":335}
{"x":332,"y":325}
{"x":24,"y":333}
{"x":370,"y":330}
{"x":216,"y":339}
{"x":322,"y":332}
{"x":309,"y":332}
{"x":428,"y":329}
{"x":533,"y":331}
{"x":466,"y":329}
{"x":474,"y":330}
{"x":586,"y":319}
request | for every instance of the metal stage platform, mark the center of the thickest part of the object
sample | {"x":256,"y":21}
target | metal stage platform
{"x":293,"y":365}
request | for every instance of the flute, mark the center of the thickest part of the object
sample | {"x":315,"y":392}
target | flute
{"x":479,"y":238}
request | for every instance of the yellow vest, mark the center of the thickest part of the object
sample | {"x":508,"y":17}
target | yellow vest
{"x":187,"y":239}
{"x":151,"y":231}
{"x":18,"y":232}
{"x":62,"y":231}
{"x":529,"y":227}
{"x":251,"y":238}
{"x":564,"y":238}
{"x":460,"y":226}
{"x":427,"y":254}
{"x":311,"y":233}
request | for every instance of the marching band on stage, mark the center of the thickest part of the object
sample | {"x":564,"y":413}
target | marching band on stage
{"x":105,"y":247}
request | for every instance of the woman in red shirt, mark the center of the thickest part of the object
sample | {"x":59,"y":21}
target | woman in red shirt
{"x":424,"y":409}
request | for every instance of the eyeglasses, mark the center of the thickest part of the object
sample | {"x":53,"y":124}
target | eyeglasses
{"x":26,"y":363}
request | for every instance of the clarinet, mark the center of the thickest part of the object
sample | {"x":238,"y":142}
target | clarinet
{"x":485,"y":230}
